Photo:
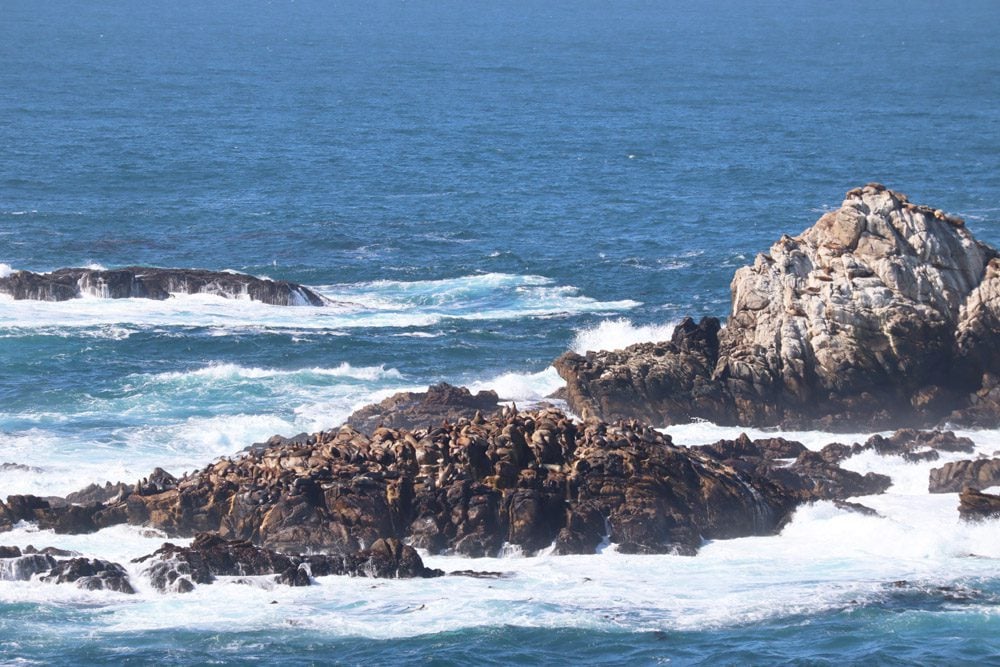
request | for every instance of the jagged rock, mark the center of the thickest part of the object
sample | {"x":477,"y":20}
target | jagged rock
{"x":955,"y":476}
{"x":882,"y":314}
{"x":811,"y":476}
{"x":95,"y":494}
{"x":153,"y":283}
{"x":177,"y":569}
{"x":857,"y":508}
{"x":412,"y":410}
{"x":912,"y":445}
{"x":974,"y":505}
{"x":18,"y":566}
{"x":531,"y":479}
{"x":92,"y":574}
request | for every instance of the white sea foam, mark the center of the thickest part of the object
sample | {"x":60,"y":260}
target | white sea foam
{"x":522,"y":388}
{"x":6,"y":270}
{"x":380,"y":304}
{"x":237,"y":372}
{"x":618,"y":334}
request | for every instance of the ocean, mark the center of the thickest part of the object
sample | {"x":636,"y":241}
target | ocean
{"x":480,"y":187}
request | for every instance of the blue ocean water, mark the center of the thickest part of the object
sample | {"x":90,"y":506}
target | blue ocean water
{"x":482,"y":187}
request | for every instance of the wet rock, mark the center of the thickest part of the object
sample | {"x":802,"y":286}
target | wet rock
{"x":532,"y":479}
{"x":953,"y":477}
{"x":882,"y":314}
{"x":91,"y":574}
{"x":857,"y":508}
{"x":138,"y":282}
{"x":974,"y":505}
{"x":15,"y":566}
{"x":177,"y":569}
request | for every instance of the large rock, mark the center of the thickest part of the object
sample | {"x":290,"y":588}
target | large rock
{"x":531,"y":479}
{"x":154,"y":283}
{"x":882,"y":314}
{"x":955,"y":476}
{"x":974,"y":505}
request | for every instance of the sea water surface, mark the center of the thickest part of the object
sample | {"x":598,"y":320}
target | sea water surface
{"x":480,"y":187}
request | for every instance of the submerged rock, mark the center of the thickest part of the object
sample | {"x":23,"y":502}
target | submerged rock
{"x":530,"y":479}
{"x":140,"y":282}
{"x":882,"y":314}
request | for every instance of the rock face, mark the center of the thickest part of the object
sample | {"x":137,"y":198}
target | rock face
{"x":529,"y":479}
{"x":153,"y":283}
{"x":954,"y":477}
{"x":882,"y":314}
{"x":412,"y":410}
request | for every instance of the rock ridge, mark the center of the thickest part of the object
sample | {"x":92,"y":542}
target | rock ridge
{"x":154,"y":283}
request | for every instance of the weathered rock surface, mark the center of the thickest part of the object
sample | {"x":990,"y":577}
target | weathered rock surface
{"x":178,"y":569}
{"x":953,"y":477}
{"x":529,"y":479}
{"x":426,"y":409}
{"x":174,"y":568}
{"x":882,"y":314}
{"x":92,"y":574}
{"x":153,"y":283}
{"x":974,"y":505}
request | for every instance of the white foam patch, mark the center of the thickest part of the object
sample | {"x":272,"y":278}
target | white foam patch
{"x":6,"y":270}
{"x":618,"y":334}
{"x":522,"y":388}
{"x":237,"y":372}
{"x":380,"y":304}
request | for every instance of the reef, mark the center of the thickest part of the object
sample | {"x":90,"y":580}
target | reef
{"x":139,"y":282}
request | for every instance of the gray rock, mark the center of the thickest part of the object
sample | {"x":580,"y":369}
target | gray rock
{"x":882,"y":314}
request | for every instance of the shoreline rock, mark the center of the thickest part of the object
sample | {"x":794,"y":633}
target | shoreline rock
{"x":135,"y":282}
{"x":883,"y":314}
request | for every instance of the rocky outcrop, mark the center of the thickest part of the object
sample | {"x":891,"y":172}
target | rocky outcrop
{"x":955,"y":476}
{"x":425,"y":409}
{"x":974,"y":505}
{"x":912,"y":445}
{"x":531,"y":479}
{"x":139,"y":282}
{"x":178,"y":569}
{"x":882,"y":314}
{"x":809,"y":477}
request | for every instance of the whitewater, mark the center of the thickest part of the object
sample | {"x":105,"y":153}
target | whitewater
{"x":477,"y":190}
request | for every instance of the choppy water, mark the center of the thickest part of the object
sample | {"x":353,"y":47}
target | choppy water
{"x":481,"y":188}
